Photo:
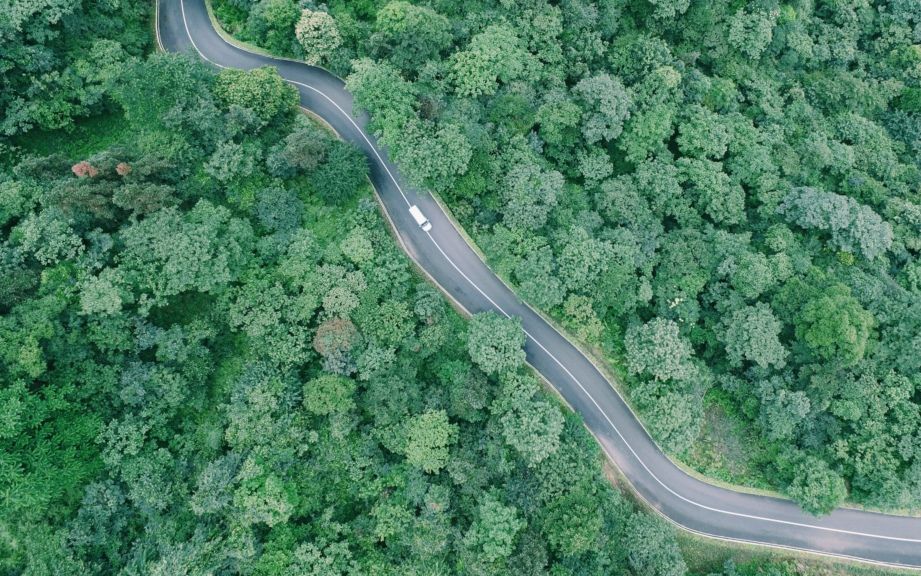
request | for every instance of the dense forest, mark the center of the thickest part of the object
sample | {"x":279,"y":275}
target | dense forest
{"x":214,"y":359}
{"x":722,"y":199}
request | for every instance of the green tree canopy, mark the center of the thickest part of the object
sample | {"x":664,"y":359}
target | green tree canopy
{"x":752,"y":334}
{"x":494,"y":55}
{"x":657,"y":348}
{"x":409,"y":35}
{"x":816,"y":487}
{"x":317,"y":34}
{"x":428,"y":438}
{"x":261,"y":90}
{"x":495,"y":343}
{"x":835,"y":326}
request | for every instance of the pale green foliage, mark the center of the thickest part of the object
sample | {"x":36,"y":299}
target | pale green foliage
{"x":375,"y":361}
{"x":781,"y":409}
{"x":278,"y":210}
{"x":752,"y":32}
{"x":230,"y":161}
{"x":530,"y":424}
{"x":646,"y":133}
{"x":703,"y":134}
{"x":431,"y":156}
{"x":558,"y":117}
{"x":390,"y":323}
{"x":495,"y":343}
{"x":12,"y":406}
{"x":262,"y":90}
{"x":428,"y":438}
{"x":390,"y":520}
{"x":595,"y":166}
{"x":101,"y":294}
{"x":318,"y":34}
{"x":853,"y":226}
{"x":410,"y":34}
{"x":270,"y":23}
{"x":147,"y":480}
{"x":752,"y":335}
{"x":583,"y":259}
{"x":340,"y":301}
{"x":658,"y":181}
{"x":272,"y":319}
{"x":214,"y":486}
{"x":574,"y":522}
{"x":266,"y":386}
{"x":537,"y":280}
{"x":674,"y":409}
{"x":716,"y":195}
{"x":357,"y":247}
{"x":15,"y":198}
{"x":301,"y":258}
{"x":657,"y":348}
{"x":835,"y":325}
{"x":530,"y":193}
{"x":157,"y":401}
{"x":752,"y":274}
{"x":379,"y":89}
{"x":582,"y":319}
{"x":494,"y":55}
{"x":256,"y":401}
{"x":816,"y":487}
{"x":69,"y":52}
{"x":494,"y":530}
{"x":263,"y":497}
{"x":315,"y":559}
{"x":668,"y":9}
{"x":50,"y":239}
{"x":607,"y":106}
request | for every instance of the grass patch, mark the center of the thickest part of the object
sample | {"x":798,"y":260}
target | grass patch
{"x":707,"y":556}
{"x":85,"y":138}
{"x":727,"y":449}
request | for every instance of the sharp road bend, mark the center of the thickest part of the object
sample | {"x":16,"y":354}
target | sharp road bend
{"x":444,"y":254}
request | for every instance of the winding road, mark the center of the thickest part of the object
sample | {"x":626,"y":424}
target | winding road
{"x":447,"y":258}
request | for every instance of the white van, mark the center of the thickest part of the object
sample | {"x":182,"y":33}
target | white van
{"x":420,"y":218}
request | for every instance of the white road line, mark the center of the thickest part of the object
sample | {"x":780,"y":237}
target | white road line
{"x":570,"y":374}
{"x":157,"y":25}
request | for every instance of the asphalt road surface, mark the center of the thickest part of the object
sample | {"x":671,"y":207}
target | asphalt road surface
{"x":184,"y":26}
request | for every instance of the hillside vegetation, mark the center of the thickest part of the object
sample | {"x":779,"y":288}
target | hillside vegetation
{"x":214,"y":359}
{"x":722,"y":198}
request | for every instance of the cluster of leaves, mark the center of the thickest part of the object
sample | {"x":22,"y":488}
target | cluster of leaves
{"x":720,"y":196}
{"x":58,"y":58}
{"x":214,"y":359}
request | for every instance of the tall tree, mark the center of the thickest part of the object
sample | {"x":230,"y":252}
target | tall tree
{"x":318,"y":35}
{"x":657,"y":348}
{"x":495,"y":343}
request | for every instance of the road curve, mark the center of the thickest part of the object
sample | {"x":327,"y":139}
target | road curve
{"x":444,"y":254}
